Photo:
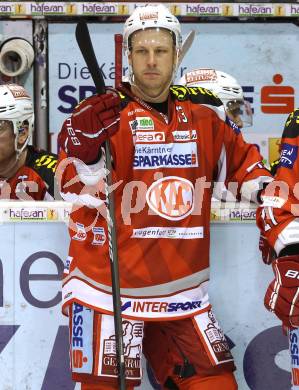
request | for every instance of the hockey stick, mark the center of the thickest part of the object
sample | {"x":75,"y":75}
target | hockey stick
{"x":118,"y":42}
{"x":85,"y":45}
{"x":186,"y":46}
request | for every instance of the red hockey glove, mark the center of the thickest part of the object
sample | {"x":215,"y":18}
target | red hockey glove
{"x":282,"y":296}
{"x":268,"y":254}
{"x":92,"y":122}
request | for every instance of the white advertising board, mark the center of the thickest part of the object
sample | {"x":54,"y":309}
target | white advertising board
{"x":33,"y":332}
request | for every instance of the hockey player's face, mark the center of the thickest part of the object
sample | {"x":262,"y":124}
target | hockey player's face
{"x":8,"y":156}
{"x":152,"y":59}
{"x":236,"y":118}
{"x":7,"y":139}
{"x":233,"y":110}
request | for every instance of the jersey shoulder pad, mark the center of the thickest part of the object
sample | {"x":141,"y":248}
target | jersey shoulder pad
{"x":291,"y":127}
{"x":196,"y":95}
{"x":44,"y":164}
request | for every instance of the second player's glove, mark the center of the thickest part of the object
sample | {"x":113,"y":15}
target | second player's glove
{"x":92,"y":122}
{"x":268,"y":254}
{"x":282,"y":296}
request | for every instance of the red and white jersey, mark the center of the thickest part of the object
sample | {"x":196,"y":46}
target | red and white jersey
{"x":34,"y":180}
{"x":278,"y":216}
{"x":164,"y":170}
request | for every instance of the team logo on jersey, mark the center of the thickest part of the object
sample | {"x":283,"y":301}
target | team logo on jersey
{"x":175,"y":155}
{"x":81,"y":233}
{"x":171,"y":197}
{"x":141,"y":123}
{"x":184,"y":135}
{"x":99,"y":236}
{"x":288,"y":155}
{"x":150,"y":136}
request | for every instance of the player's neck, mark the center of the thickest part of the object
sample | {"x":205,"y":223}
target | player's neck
{"x":137,"y":91}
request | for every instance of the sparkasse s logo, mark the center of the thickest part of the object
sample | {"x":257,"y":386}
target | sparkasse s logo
{"x":77,"y":340}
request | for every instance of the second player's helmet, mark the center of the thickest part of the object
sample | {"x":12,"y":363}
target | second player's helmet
{"x":152,"y":16}
{"x":16,"y":107}
{"x":225,"y":86}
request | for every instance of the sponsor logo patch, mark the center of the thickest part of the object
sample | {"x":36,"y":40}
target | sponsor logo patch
{"x":81,"y":346}
{"x":18,"y":92}
{"x":141,"y":123}
{"x":288,"y":155}
{"x":200,"y":75}
{"x":171,"y":197}
{"x":294,"y":350}
{"x":81,"y":233}
{"x":174,"y":155}
{"x":149,"y":136}
{"x":149,"y":16}
{"x":180,"y":233}
{"x":213,"y":338}
{"x":99,"y":236}
{"x":158,"y":307}
{"x":132,"y":341}
{"x":184,"y":135}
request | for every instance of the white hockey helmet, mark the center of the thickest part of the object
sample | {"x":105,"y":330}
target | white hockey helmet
{"x":152,"y":16}
{"x":225,"y":86}
{"x":16,"y":106}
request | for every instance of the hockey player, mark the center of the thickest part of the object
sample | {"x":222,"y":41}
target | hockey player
{"x":227,"y":88}
{"x":25,"y":172}
{"x":168,"y":145}
{"x":279,"y":224}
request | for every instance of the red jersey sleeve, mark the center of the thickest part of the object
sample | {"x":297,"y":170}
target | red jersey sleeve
{"x":278,"y":216}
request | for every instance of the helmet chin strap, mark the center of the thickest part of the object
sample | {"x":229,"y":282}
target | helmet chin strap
{"x":20,"y":150}
{"x":156,"y":99}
